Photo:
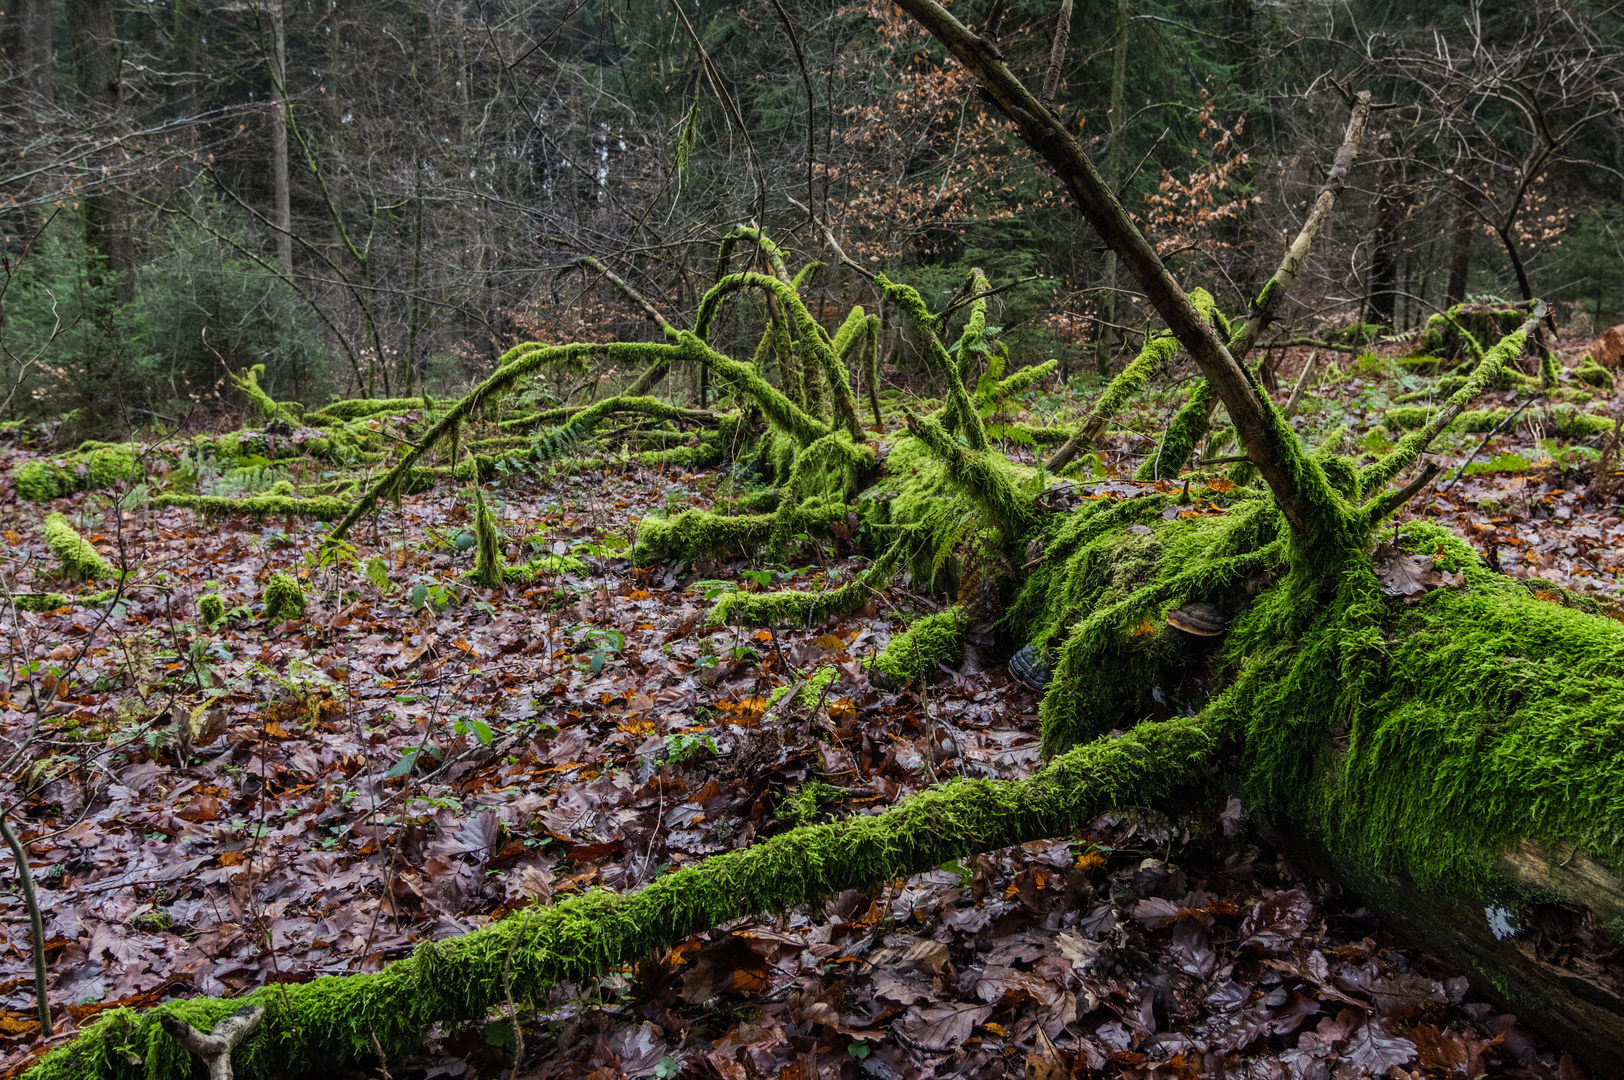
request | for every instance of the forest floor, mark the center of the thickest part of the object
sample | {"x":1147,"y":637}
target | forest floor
{"x":416,"y":757}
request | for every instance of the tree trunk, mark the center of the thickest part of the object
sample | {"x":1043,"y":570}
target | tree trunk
{"x":35,"y":49}
{"x":1113,"y":176}
{"x":96,"y":67}
{"x":277,"y":61}
{"x":1390,"y":211}
{"x":1460,"y":246}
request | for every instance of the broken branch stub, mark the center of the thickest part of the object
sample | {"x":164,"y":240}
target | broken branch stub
{"x":215,"y":1047}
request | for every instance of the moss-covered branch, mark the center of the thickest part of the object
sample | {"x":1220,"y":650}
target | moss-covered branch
{"x":960,"y":409}
{"x":336,"y":1023}
{"x":1376,"y":476}
{"x":80,"y":560}
{"x":1129,"y":381}
{"x":318,"y":508}
{"x":794,"y":608}
{"x":984,"y":476}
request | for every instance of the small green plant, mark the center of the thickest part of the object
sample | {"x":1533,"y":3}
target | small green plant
{"x":603,"y":644}
{"x":683,"y":748}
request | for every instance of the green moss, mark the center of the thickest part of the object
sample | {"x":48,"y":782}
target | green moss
{"x":248,"y":384}
{"x":1565,"y":420}
{"x":1593,"y":374}
{"x":283,"y":598}
{"x":80,"y":560}
{"x":1426,"y":365}
{"x":1187,"y":428}
{"x":40,"y":601}
{"x":358,"y":408}
{"x":1425,"y":737}
{"x":961,"y":415}
{"x":271,"y":504}
{"x":806,"y":608}
{"x":811,"y":691}
{"x":211,"y":608}
{"x":1462,"y":330}
{"x":696,"y":533}
{"x":488,"y":562}
{"x":935,"y":639}
{"x":92,"y":467}
{"x":1024,"y":379}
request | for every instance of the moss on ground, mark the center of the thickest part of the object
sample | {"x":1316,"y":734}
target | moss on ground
{"x":932,"y":640}
{"x":283,"y":598}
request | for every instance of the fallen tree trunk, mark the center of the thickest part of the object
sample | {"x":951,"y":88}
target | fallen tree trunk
{"x":1424,"y":733}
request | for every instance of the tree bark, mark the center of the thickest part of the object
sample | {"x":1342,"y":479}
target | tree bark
{"x":1460,"y":245}
{"x":35,"y":48}
{"x":1113,"y":176}
{"x":97,"y":62}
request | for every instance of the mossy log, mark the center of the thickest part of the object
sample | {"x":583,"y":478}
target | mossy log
{"x":335,"y":1023}
{"x":80,"y":559}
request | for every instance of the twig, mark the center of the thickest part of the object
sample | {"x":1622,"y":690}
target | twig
{"x":1302,"y":382}
{"x":1395,"y":499}
{"x":1057,"y":55}
{"x":924,"y":702}
{"x":216,"y":1046}
{"x":36,"y":926}
{"x":834,"y":245}
{"x":507,"y":991}
{"x":1501,"y":426}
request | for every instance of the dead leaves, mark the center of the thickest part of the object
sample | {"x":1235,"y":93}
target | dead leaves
{"x":1407,"y":575}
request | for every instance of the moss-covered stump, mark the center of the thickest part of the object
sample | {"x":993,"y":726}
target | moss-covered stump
{"x":322,"y":1027}
{"x":1465,"y":330}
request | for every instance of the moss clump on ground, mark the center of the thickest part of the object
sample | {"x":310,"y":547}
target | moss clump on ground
{"x":80,"y":560}
{"x":1593,"y":374}
{"x":283,"y":598}
{"x":40,"y":601}
{"x":90,"y":468}
{"x":811,"y":691}
{"x":211,"y":608}
{"x":935,"y":639}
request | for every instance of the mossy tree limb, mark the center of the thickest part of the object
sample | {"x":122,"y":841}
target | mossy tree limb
{"x":80,"y":560}
{"x":960,"y":410}
{"x":1377,"y":475}
{"x":1270,"y":445}
{"x":335,"y":1023}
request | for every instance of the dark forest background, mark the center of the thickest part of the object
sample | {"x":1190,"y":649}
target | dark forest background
{"x":380,"y":196}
